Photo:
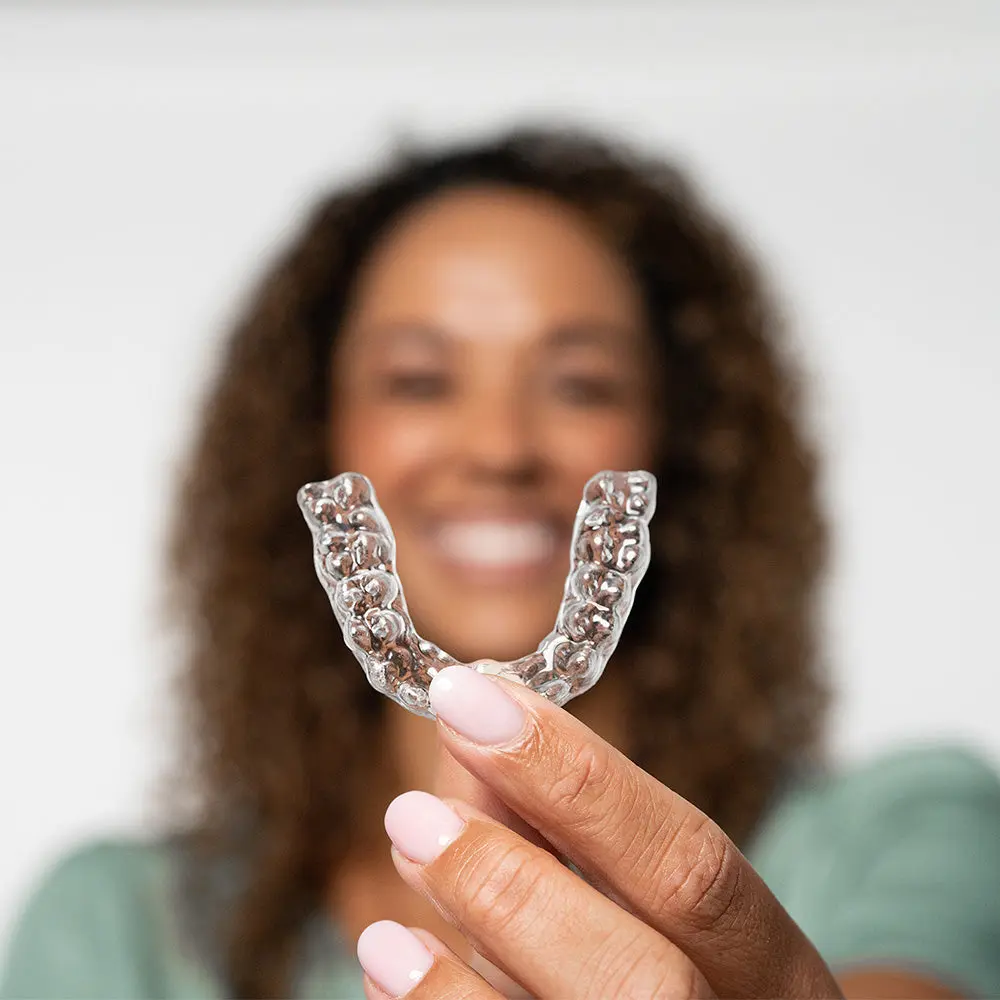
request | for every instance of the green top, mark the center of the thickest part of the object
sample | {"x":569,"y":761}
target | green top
{"x":897,"y":862}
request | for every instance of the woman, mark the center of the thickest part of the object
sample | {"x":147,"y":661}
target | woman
{"x":479,"y":331}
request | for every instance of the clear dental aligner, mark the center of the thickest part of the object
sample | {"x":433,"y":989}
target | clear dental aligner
{"x":355,"y":556}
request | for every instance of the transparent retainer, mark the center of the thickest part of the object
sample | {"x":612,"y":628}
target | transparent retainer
{"x":355,"y":557}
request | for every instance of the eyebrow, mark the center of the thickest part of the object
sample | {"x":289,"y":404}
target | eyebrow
{"x":592,"y":334}
{"x":584,"y":333}
{"x":402,"y":331}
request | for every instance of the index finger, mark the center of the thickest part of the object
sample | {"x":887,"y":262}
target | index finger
{"x":657,"y":853}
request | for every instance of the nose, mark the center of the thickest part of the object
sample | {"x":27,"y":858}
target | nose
{"x":498,"y":437}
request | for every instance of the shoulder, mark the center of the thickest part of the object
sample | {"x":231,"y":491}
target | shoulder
{"x":916,"y":773}
{"x":93,"y":923}
{"x":887,"y":785}
{"x":99,"y":879}
{"x":109,"y":861}
{"x":897,"y":859}
{"x":869,"y":800}
{"x":934,"y":795}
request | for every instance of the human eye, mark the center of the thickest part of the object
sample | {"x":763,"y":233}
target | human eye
{"x":583,"y":388}
{"x":415,"y":384}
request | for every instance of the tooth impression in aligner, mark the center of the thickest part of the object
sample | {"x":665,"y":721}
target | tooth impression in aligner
{"x":354,"y":552}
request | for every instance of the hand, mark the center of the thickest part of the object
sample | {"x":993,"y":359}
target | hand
{"x":667,"y":906}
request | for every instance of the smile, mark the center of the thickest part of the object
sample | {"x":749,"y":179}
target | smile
{"x":494,"y":545}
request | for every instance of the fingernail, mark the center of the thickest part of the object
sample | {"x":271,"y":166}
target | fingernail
{"x":393,"y":956}
{"x":421,"y":826}
{"x":475,"y":706}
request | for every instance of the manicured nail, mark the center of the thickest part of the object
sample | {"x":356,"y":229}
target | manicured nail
{"x":421,"y":826}
{"x":475,"y":706}
{"x":393,"y":956}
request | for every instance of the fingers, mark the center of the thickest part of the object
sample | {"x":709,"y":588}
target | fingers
{"x":452,"y":781}
{"x":654,"y":851}
{"x":400,"y":962}
{"x":528,"y":914}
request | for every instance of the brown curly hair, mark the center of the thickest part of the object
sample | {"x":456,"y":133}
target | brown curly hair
{"x":725,"y":692}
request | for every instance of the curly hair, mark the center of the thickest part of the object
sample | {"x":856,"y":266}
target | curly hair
{"x":725,"y":692}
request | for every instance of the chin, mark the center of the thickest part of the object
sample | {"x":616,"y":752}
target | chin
{"x":498,"y":633}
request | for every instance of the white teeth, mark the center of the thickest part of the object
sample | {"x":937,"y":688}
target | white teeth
{"x":496,"y":544}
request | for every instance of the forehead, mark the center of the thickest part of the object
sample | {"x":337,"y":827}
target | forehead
{"x":498,"y":254}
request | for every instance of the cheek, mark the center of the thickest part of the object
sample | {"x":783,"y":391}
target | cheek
{"x":383,"y":444}
{"x":587,"y":443}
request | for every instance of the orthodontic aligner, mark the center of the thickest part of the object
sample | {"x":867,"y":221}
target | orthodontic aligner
{"x":354,"y":553}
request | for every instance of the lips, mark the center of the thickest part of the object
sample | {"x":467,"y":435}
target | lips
{"x":495,"y":546}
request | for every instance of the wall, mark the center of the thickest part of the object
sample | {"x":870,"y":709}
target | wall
{"x":153,"y":159}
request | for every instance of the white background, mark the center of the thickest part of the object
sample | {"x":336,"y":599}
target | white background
{"x":152,"y":158}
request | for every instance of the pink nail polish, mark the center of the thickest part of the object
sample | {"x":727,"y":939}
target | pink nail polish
{"x":421,"y":826}
{"x":475,"y":706}
{"x":393,"y":956}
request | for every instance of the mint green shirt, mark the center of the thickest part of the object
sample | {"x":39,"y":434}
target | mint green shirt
{"x":894,"y":863}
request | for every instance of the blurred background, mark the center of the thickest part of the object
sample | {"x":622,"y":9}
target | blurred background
{"x":153,"y":157}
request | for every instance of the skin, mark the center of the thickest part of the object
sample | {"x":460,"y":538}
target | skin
{"x":494,"y":357}
{"x":492,"y":362}
{"x":669,"y":906}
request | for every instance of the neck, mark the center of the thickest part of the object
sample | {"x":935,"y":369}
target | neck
{"x":366,"y":887}
{"x":412,"y":743}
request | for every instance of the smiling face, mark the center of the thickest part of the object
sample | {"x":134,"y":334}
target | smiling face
{"x":492,"y":359}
